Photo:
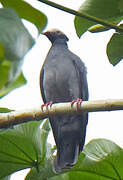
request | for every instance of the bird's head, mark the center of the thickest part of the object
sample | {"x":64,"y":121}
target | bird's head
{"x":55,"y":34}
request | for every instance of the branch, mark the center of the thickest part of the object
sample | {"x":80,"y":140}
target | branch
{"x":83,"y":15}
{"x":18,"y":117}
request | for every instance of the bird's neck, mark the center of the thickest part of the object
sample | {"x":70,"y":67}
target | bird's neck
{"x":60,"y":42}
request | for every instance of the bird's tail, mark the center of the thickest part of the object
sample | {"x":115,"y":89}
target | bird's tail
{"x":67,"y":155}
{"x":69,"y":135}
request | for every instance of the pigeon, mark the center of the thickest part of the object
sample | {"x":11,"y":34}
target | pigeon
{"x":63,"y":79}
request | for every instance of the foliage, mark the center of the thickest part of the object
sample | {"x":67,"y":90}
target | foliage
{"x":105,"y":9}
{"x":15,"y":41}
{"x":26,"y":146}
{"x":108,"y":10}
{"x":27,"y":12}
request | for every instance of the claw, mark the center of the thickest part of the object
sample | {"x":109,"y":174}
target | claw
{"x":78,"y":103}
{"x":47,"y":105}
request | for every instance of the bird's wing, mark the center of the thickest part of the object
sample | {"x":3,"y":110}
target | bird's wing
{"x":81,"y":73}
{"x":41,"y":85}
{"x":83,"y":85}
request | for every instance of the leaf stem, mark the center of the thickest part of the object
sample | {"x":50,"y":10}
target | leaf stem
{"x":83,"y":15}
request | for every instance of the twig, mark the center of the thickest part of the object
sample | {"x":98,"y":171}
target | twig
{"x":83,"y":15}
{"x":18,"y":117}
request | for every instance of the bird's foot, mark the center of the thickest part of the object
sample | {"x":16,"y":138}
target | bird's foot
{"x":78,"y":103}
{"x":47,"y":105}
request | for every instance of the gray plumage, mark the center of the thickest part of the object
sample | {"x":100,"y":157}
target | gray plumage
{"x":63,"y":79}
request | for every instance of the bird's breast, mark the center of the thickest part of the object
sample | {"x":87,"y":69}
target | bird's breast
{"x":60,"y":83}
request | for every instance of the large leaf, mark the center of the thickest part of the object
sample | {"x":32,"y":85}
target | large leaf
{"x":26,"y":11}
{"x":15,"y":84}
{"x":15,"y":41}
{"x":14,"y":37}
{"x":107,"y":158}
{"x":108,"y":10}
{"x":115,"y":48}
{"x":45,"y":166}
{"x":21,"y":148}
{"x":102,"y":159}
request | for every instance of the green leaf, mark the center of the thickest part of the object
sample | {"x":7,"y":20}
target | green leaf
{"x":108,"y":10}
{"x":44,"y":172}
{"x":103,"y":160}
{"x":15,"y":41}
{"x":1,"y":52}
{"x":6,"y":178}
{"x":4,"y":72}
{"x":98,"y":28}
{"x":64,"y":176}
{"x":115,"y":48}
{"x":21,"y":148}
{"x":33,"y":174}
{"x":26,"y":11}
{"x":15,"y":84}
{"x":5,"y":110}
{"x":45,"y":167}
{"x":14,"y":37}
{"x":45,"y":131}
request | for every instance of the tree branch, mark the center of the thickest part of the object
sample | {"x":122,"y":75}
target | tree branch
{"x":83,"y":15}
{"x":18,"y":117}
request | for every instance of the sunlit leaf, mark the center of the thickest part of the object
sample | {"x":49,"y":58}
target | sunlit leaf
{"x":98,"y":28}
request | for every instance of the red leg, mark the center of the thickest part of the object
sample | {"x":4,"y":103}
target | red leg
{"x":47,"y":105}
{"x":78,"y":102}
